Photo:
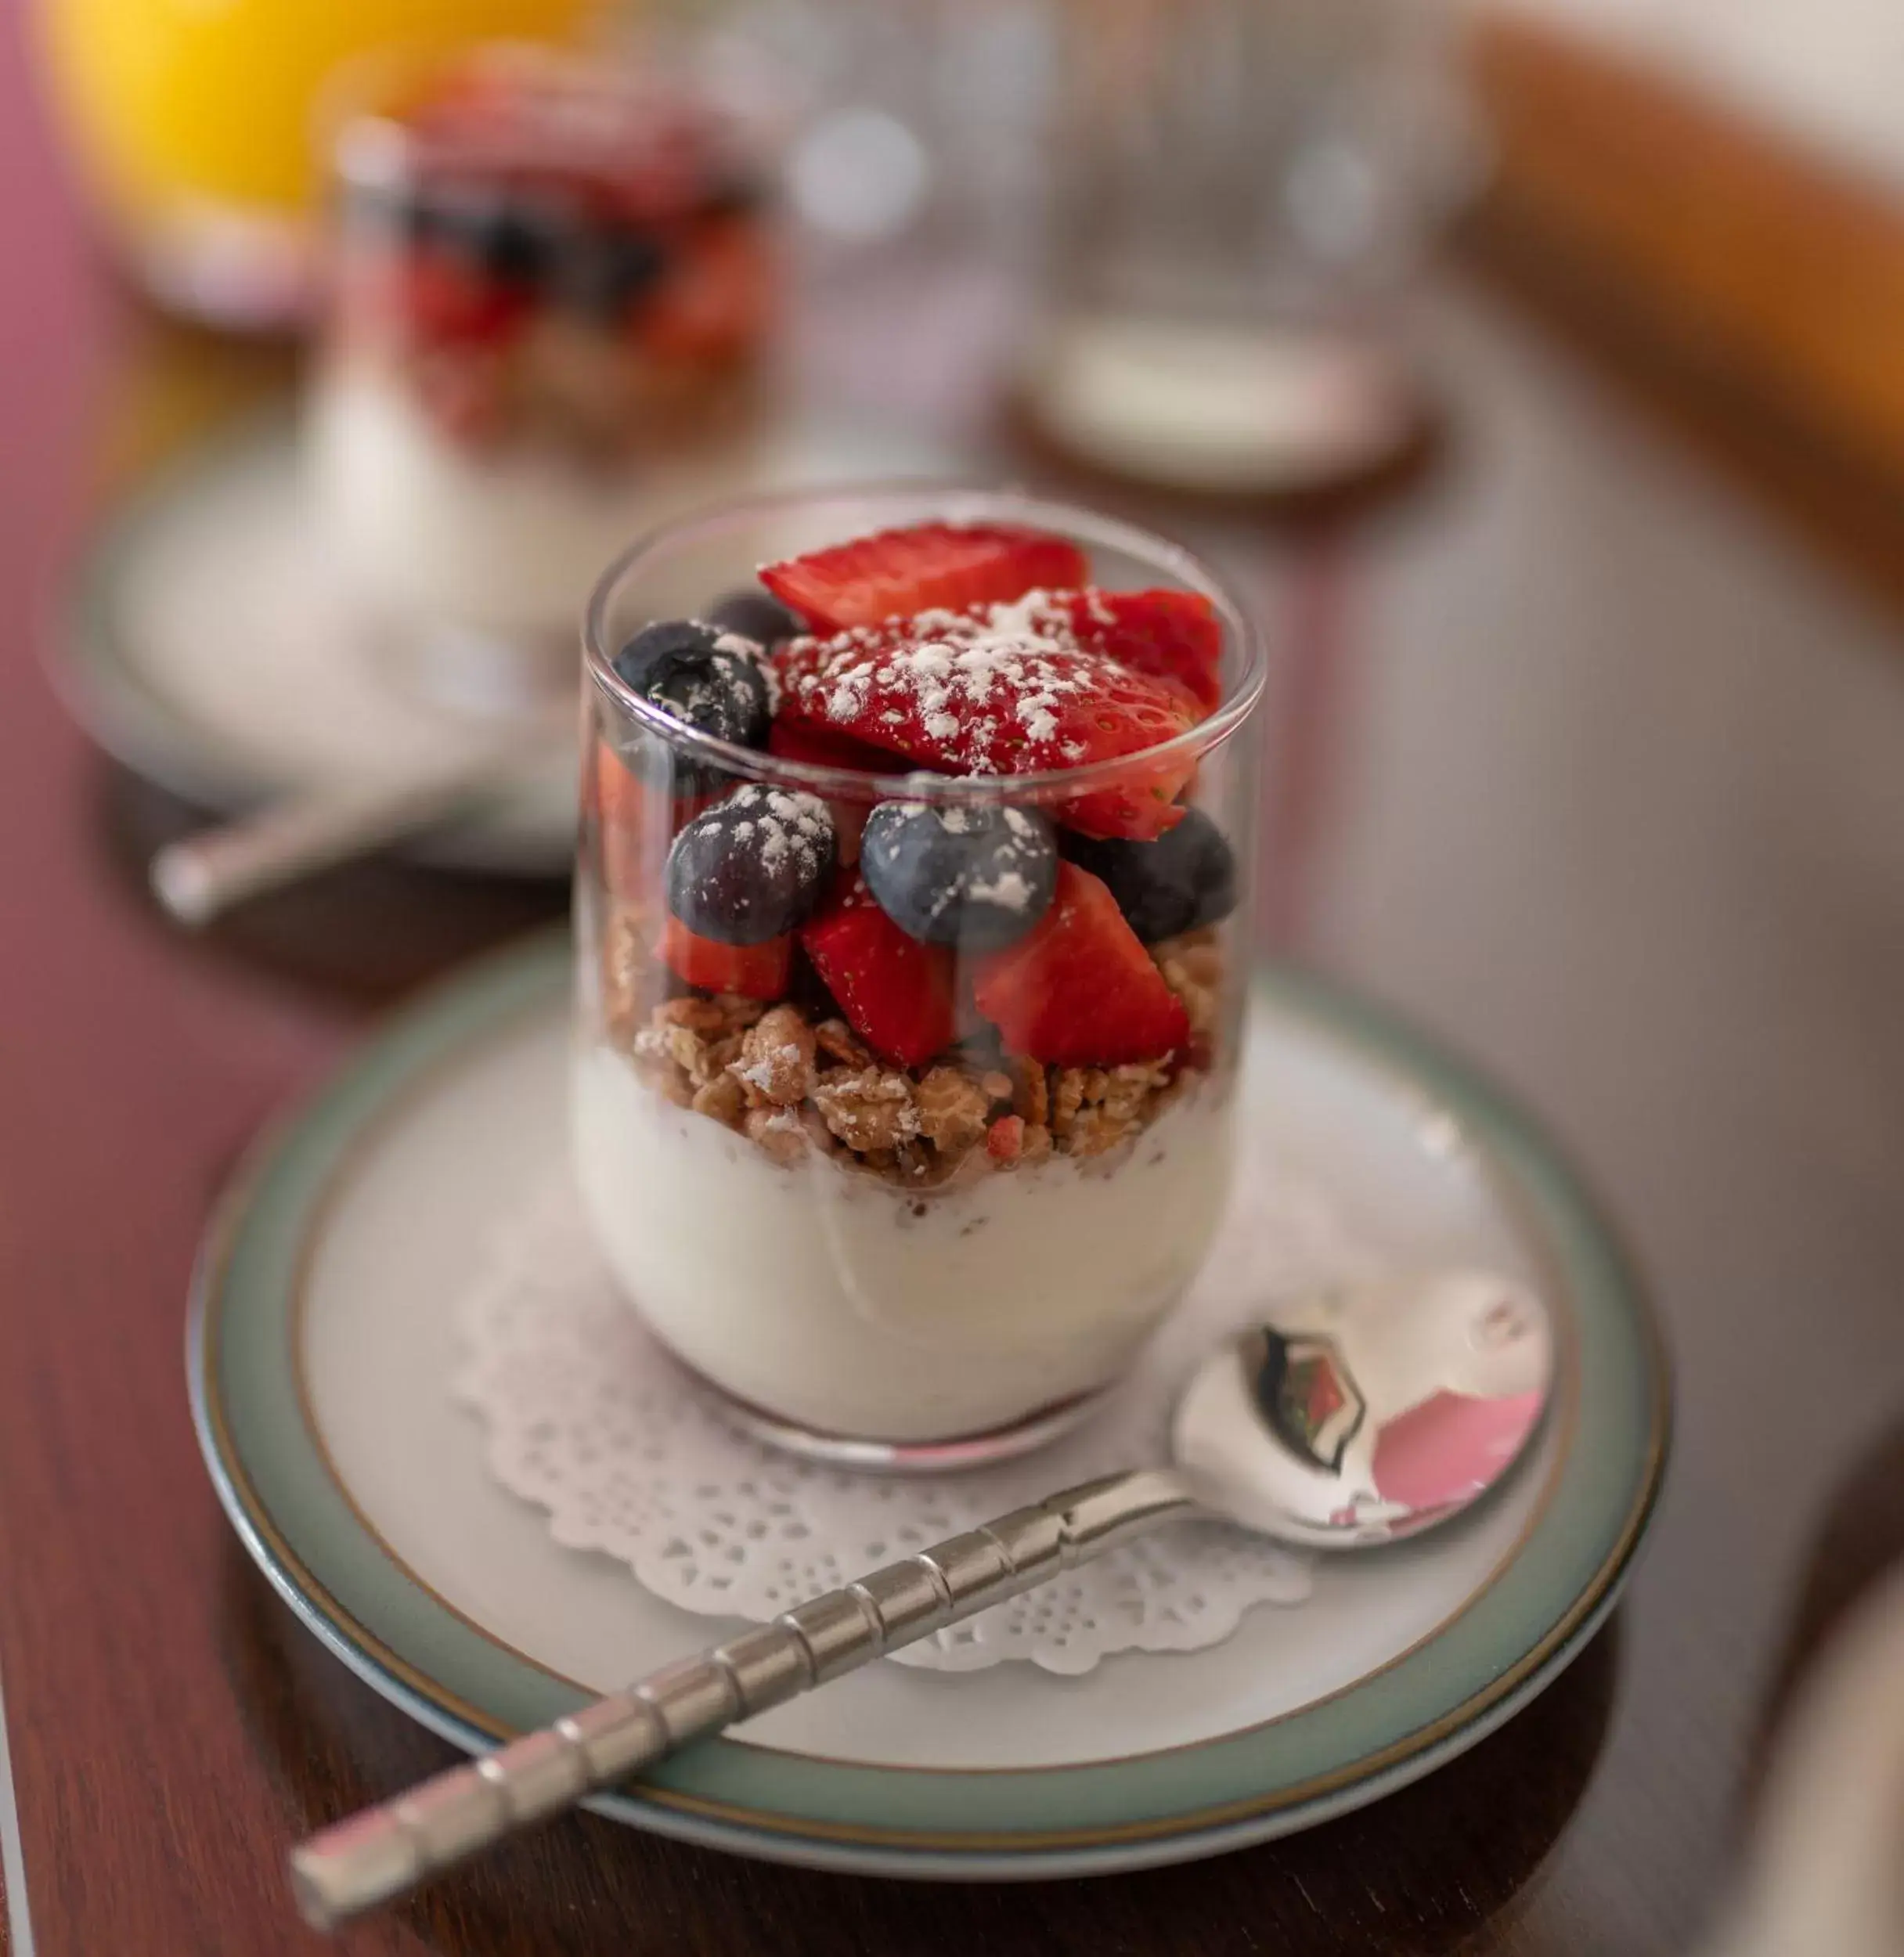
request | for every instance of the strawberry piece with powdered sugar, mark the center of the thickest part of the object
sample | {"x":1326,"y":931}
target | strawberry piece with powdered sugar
{"x":1169,"y":635}
{"x":1002,"y":689}
{"x":897,"y":574}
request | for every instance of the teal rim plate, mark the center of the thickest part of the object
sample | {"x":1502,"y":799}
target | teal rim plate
{"x":316,"y":1479}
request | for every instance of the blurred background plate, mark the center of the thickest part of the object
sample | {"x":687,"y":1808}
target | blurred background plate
{"x":205,"y":641}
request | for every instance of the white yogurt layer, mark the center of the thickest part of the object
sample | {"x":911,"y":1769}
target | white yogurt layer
{"x":829,"y":1297}
{"x":507,"y":545}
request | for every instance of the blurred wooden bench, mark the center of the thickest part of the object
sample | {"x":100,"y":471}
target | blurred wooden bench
{"x":1773,"y":273}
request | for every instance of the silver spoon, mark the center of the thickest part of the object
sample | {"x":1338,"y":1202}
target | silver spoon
{"x":1356,"y":1418}
{"x":201,"y":876}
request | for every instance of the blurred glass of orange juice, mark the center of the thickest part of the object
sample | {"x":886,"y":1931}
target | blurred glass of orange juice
{"x":191,"y":121}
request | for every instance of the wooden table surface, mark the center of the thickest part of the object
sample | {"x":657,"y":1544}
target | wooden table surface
{"x":1594,"y":767}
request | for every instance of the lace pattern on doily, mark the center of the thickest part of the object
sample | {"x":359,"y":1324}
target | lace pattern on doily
{"x":588,"y":1419}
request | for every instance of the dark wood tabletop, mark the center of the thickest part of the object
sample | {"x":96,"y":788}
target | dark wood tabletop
{"x":1589,"y":756}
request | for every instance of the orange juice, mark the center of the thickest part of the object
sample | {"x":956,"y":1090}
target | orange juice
{"x":192,"y":121}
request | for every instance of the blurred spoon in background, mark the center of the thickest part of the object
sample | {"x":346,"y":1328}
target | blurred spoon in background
{"x":201,"y":876}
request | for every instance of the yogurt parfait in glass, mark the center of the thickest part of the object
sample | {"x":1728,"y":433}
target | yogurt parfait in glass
{"x":913,"y":917}
{"x":552,"y":278}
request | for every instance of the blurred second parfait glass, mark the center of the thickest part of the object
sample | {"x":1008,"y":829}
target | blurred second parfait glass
{"x":552,"y":278}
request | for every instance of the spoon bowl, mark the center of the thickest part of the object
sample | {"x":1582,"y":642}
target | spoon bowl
{"x":1361,"y":1418}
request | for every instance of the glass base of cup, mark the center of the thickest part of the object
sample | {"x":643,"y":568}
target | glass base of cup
{"x":1037,"y":1429}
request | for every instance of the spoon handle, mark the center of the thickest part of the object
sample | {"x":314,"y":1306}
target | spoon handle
{"x":202,"y":876}
{"x":378,"y":1854}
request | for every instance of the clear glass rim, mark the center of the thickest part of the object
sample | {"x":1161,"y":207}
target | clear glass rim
{"x":951,"y":502}
{"x":359,"y":115}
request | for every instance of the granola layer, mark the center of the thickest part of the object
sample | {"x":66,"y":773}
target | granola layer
{"x":794,"y":1078}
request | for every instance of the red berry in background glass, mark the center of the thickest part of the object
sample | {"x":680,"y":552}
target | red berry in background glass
{"x":717,"y":300}
{"x":755,"y":971}
{"x":895,"y":992}
{"x":442,"y":300}
{"x":1080,"y":990}
{"x":932,"y":567}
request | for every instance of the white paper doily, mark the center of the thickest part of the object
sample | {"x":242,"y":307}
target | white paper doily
{"x":588,"y":1419}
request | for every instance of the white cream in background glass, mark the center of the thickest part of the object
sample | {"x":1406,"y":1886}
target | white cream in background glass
{"x":842,"y":1253}
{"x":1240,"y":191}
{"x":552,"y":278}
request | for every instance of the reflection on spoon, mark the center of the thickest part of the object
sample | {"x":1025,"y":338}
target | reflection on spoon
{"x":1365,"y":1417}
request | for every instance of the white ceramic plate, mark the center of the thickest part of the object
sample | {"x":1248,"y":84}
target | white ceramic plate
{"x":323,"y":1342}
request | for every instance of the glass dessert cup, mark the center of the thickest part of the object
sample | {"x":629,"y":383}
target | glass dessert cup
{"x":892,"y":1240}
{"x":550,"y":280}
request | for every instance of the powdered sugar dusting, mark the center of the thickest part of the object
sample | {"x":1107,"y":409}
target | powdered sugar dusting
{"x":784,"y":823}
{"x":968,"y":869}
{"x":764,"y":1073}
{"x":989,"y":690}
{"x":1008,"y":890}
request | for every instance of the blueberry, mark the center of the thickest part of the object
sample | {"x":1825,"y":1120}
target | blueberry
{"x":516,"y":239}
{"x":752,"y":866}
{"x":1185,"y":879}
{"x":976,"y":877}
{"x":711,"y":678}
{"x":608,"y":274}
{"x":756,"y":614}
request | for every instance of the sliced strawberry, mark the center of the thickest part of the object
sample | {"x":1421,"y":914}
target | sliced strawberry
{"x":755,"y":971}
{"x":801,"y":740}
{"x":637,"y":824}
{"x":631,"y":858}
{"x":444,"y":301}
{"x":1137,"y":807}
{"x":933,"y":566}
{"x":716,"y":299}
{"x":1079,"y":989}
{"x":999,"y":690}
{"x":1169,"y":635}
{"x":896,"y":993}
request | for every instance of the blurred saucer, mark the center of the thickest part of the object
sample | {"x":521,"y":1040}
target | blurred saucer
{"x":204,"y":640}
